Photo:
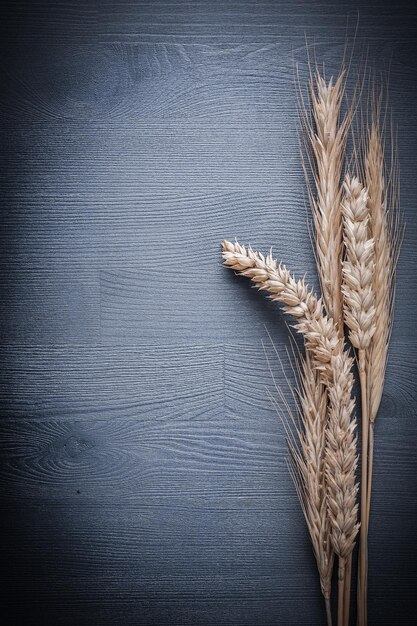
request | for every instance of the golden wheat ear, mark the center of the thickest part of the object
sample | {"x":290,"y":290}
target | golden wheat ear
{"x":383,"y":209}
{"x":358,"y":266}
{"x":305,"y":422}
{"x":325,"y":131}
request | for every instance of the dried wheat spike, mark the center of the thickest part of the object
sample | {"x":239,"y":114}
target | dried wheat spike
{"x":382,"y":229}
{"x":342,"y":459}
{"x":359,"y":265}
{"x":325,"y":141}
{"x":319,"y":331}
{"x":309,"y":461}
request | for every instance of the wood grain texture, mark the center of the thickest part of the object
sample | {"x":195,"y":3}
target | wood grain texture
{"x":143,"y":476}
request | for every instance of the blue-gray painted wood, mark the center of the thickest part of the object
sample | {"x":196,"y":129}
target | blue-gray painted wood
{"x":143,"y":472}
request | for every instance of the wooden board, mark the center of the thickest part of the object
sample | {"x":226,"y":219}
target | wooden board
{"x":143,"y":469}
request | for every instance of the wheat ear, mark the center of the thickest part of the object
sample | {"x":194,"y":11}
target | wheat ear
{"x":359,"y":313}
{"x":325,"y":140}
{"x":309,"y":475}
{"x":382,"y":204}
{"x":318,"y":330}
{"x":341,"y":463}
{"x":358,"y":266}
{"x":384,"y":266}
{"x":334,"y":364}
{"x":307,"y":448}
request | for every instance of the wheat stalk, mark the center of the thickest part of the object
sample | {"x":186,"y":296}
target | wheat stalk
{"x":334,"y":365}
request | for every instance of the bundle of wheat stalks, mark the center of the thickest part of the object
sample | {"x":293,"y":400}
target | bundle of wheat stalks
{"x":354,"y":202}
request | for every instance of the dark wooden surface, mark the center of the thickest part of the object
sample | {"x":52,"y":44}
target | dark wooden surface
{"x":143,"y":473}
